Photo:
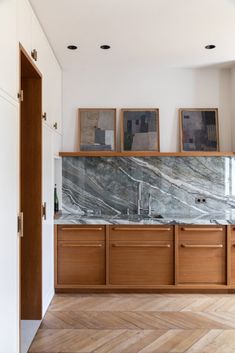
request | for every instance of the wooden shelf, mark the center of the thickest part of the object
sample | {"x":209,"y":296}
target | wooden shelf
{"x":145,"y":154}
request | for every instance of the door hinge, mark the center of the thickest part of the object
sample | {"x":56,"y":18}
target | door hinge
{"x":34,"y":54}
{"x":20,"y":96}
{"x":44,"y":210}
{"x":20,"y":224}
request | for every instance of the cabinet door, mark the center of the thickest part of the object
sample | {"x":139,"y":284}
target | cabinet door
{"x":39,"y":43}
{"x":81,"y":255}
{"x":48,"y":222}
{"x":8,"y":56}
{"x":232,"y":255}
{"x":141,"y":256}
{"x":9,"y":249}
{"x":202,"y":255}
{"x":24,"y":24}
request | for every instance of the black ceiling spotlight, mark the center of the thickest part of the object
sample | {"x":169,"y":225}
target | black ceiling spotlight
{"x":72,"y":47}
{"x":210,"y":46}
{"x":105,"y":46}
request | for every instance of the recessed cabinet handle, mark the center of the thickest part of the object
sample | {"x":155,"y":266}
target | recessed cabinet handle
{"x":44,"y":116}
{"x":81,"y":245}
{"x":116,"y":245}
{"x":98,"y":229}
{"x":202,"y":229}
{"x":212,"y":246}
{"x":141,"y":229}
{"x":55,"y":126}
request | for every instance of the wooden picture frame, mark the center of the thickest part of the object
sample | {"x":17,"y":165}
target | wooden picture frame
{"x":130,"y":141}
{"x":103,"y":139}
{"x":194,"y":138}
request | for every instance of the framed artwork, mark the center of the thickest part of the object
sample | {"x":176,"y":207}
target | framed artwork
{"x":199,"y":130}
{"x":97,"y":129}
{"x":140,"y":130}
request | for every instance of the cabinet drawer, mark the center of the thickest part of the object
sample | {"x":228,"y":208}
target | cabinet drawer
{"x":141,"y":262}
{"x":202,"y":255}
{"x":83,"y":232}
{"x":81,"y":262}
{"x":141,"y":233}
{"x":233,"y":255}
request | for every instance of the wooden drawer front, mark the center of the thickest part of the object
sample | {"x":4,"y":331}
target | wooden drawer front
{"x":83,"y":232}
{"x":81,"y":262}
{"x":141,"y":233}
{"x":232,"y":255}
{"x":202,"y":255}
{"x":135,"y":262}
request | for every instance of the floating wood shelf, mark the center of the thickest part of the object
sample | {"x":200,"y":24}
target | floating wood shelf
{"x":145,"y":154}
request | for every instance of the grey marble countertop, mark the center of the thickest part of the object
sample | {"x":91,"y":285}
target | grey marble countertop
{"x":204,"y":219}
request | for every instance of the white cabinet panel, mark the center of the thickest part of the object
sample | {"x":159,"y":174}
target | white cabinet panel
{"x":24,"y":24}
{"x":48,"y":229}
{"x":8,"y":44}
{"x":9,"y":250}
{"x":39,"y":43}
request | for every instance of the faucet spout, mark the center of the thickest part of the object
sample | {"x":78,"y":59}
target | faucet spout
{"x":139,"y":198}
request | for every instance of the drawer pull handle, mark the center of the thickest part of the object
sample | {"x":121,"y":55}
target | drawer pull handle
{"x":115,"y":245}
{"x":208,"y":246}
{"x":82,"y":229}
{"x":81,"y":245}
{"x":142,"y":229}
{"x":203,"y":229}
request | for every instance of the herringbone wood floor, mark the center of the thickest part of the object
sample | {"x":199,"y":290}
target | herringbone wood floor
{"x":131,"y":323}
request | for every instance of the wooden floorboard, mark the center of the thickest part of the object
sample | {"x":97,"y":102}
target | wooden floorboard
{"x":138,"y":323}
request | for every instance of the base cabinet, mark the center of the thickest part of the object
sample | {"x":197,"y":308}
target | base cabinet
{"x":202,"y":255}
{"x":141,"y":256}
{"x":130,"y":257}
{"x":81,"y":256}
{"x":232,"y":248}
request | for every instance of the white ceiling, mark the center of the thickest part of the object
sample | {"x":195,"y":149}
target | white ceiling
{"x":140,"y":32}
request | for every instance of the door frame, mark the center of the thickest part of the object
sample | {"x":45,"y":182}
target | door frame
{"x":28,"y":244}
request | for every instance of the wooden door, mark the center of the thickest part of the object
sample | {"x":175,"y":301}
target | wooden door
{"x":141,"y":255}
{"x":31,"y":190}
{"x":202,"y":255}
{"x":232,"y":255}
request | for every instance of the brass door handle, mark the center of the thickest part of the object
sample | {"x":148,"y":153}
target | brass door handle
{"x":55,"y":126}
{"x":198,"y":246}
{"x":44,"y":116}
{"x":202,"y":229}
{"x":123,"y":245}
{"x":67,"y":229}
{"x":141,"y":229}
{"x":81,"y":245}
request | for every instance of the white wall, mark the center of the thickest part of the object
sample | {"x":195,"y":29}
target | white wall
{"x":233,"y":106}
{"x":167,"y":89}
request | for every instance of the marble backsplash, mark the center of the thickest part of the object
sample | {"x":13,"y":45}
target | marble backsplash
{"x":111,"y":185}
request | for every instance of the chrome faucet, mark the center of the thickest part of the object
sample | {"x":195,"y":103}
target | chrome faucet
{"x":139,"y":198}
{"x":149,"y":205}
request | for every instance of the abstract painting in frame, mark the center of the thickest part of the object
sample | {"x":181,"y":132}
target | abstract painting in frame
{"x":97,"y":129}
{"x":199,"y":130}
{"x":140,"y":130}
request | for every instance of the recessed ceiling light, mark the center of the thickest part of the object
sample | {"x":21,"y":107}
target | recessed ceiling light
{"x":105,"y":46}
{"x":72,"y":47}
{"x":210,"y":46}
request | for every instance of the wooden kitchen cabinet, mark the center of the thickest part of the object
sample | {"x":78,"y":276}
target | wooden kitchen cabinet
{"x":141,"y":255}
{"x":202,"y":255}
{"x":232,"y":247}
{"x":81,"y":255}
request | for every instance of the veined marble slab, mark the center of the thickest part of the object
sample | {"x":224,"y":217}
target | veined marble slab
{"x":110,"y":185}
{"x":220,"y":219}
